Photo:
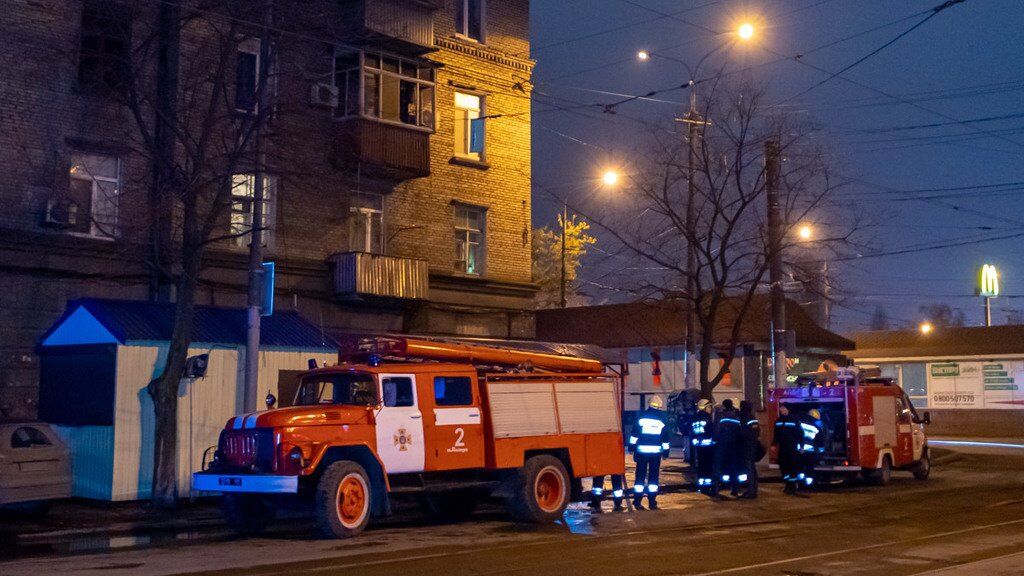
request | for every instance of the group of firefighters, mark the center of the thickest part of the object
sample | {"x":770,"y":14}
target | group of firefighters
{"x":725,"y":445}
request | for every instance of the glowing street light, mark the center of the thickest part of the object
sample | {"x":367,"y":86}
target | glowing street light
{"x":805,"y":232}
{"x":745,"y":31}
{"x":610,"y":178}
{"x":643,"y":55}
{"x":926,"y":328}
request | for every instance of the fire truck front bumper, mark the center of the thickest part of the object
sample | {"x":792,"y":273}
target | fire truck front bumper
{"x":251,"y":483}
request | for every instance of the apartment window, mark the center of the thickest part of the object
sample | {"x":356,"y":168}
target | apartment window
{"x":247,"y":73}
{"x":243,"y":192}
{"x":469,"y":18}
{"x":469,"y":239}
{"x":469,"y":107}
{"x":103,"y":58}
{"x":383,"y":87}
{"x":93,"y":195}
{"x":366,"y":224}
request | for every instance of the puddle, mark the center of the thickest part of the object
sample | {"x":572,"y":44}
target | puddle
{"x":92,"y":543}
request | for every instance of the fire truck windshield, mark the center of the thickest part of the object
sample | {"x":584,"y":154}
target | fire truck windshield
{"x":352,"y":389}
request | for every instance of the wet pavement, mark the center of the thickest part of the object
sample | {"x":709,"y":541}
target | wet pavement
{"x":972,"y":510}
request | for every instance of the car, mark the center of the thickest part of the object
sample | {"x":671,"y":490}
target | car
{"x":35,"y":467}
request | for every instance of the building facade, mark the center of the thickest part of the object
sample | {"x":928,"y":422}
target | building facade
{"x":969,"y":377}
{"x":397,"y":163}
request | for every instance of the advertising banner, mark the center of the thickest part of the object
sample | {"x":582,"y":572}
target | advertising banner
{"x":995,"y":384}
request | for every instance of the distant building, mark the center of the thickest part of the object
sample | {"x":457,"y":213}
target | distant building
{"x":643,"y":334}
{"x":971,"y":379}
{"x":405,"y":214}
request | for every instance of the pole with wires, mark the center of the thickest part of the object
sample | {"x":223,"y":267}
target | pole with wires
{"x":565,"y":217}
{"x":778,"y":303}
{"x":255,"y":292}
{"x":694,"y":123}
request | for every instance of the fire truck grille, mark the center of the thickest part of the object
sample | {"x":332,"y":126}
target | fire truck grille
{"x":248,"y":449}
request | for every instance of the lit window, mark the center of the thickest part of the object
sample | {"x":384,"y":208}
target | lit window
{"x":469,"y":239}
{"x":366,"y":224}
{"x":94,"y":195}
{"x":243,"y":190}
{"x":469,"y":18}
{"x":392,"y":89}
{"x":103,"y":58}
{"x":468,"y":107}
{"x":247,"y":73}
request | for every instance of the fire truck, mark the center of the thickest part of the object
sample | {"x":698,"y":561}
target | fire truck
{"x":868,"y":424}
{"x":449,"y":422}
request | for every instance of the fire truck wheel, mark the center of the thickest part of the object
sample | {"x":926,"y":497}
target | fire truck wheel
{"x":541,"y":492}
{"x":923,"y":467}
{"x":452,"y":506}
{"x":343,"y":500}
{"x":881,"y":476}
{"x":247,"y":513}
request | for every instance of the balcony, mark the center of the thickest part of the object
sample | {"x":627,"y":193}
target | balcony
{"x":362,"y":275}
{"x":395,"y":151}
{"x":404,"y":26}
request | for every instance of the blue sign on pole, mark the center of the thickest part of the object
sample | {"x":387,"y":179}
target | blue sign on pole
{"x":267,"y":299}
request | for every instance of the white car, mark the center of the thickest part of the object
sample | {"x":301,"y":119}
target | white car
{"x":35,"y":467}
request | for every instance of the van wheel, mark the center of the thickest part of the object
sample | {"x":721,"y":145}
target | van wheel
{"x":343,"y":500}
{"x":247,"y":513}
{"x":923,"y":467}
{"x":454,"y":506}
{"x":881,"y":476}
{"x":541,"y":491}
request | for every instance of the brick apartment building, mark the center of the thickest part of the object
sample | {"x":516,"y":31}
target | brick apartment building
{"x":388,"y":216}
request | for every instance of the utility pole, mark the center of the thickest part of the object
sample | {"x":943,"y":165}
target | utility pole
{"x":255,"y":296}
{"x":775,"y":228}
{"x":565,"y":217}
{"x":694,"y":124}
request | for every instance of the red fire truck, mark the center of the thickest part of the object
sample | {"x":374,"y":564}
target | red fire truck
{"x":869,"y":426}
{"x":449,"y":422}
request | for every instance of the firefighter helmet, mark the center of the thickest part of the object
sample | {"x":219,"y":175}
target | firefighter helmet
{"x":703,"y":404}
{"x":814,"y":413}
{"x":657,"y":402}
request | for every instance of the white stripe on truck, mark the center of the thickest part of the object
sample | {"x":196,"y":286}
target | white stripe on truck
{"x":456,"y":416}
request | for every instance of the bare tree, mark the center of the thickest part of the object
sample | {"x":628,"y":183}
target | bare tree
{"x":194,"y":117}
{"x":728,"y":227}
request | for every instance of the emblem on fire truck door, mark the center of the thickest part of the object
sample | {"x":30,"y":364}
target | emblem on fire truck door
{"x":403,"y":439}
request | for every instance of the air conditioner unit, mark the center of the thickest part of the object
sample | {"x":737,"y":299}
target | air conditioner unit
{"x":61,"y":213}
{"x":325,"y":95}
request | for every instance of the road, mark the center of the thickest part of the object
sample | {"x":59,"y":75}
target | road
{"x":967,"y":519}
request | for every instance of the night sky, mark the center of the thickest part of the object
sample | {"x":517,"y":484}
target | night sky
{"x":959,"y":179}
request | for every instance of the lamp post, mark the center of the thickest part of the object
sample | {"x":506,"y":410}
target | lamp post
{"x":609,"y":178}
{"x":692,"y":118}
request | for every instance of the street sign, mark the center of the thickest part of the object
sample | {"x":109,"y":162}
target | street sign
{"x":267,"y":290}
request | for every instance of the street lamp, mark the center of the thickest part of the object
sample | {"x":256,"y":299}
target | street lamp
{"x":745,"y":31}
{"x":610,"y":178}
{"x":643,"y":55}
{"x":805,"y":232}
{"x":926,"y":328}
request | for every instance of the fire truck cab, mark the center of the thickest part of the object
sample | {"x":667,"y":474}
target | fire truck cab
{"x":868,"y":424}
{"x":450,"y":423}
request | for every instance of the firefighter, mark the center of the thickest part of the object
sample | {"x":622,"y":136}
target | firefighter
{"x":752,"y":450}
{"x":788,"y":437}
{"x":649,"y":441}
{"x":810,"y":445}
{"x":597,"y":492}
{"x":702,"y":444}
{"x":728,"y":448}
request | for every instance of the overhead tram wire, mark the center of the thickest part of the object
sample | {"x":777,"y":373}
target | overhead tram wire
{"x":933,"y":13}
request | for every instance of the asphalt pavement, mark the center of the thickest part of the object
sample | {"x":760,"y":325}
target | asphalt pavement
{"x":967,"y":519}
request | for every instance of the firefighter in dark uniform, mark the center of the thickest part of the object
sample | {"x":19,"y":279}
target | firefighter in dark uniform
{"x":728,"y":448}
{"x":597,"y":492}
{"x":788,"y":437}
{"x":811,"y":446}
{"x":752,"y":450}
{"x":702,"y":444}
{"x":649,"y":441}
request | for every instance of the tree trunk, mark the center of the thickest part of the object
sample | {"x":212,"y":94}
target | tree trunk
{"x":164,"y":390}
